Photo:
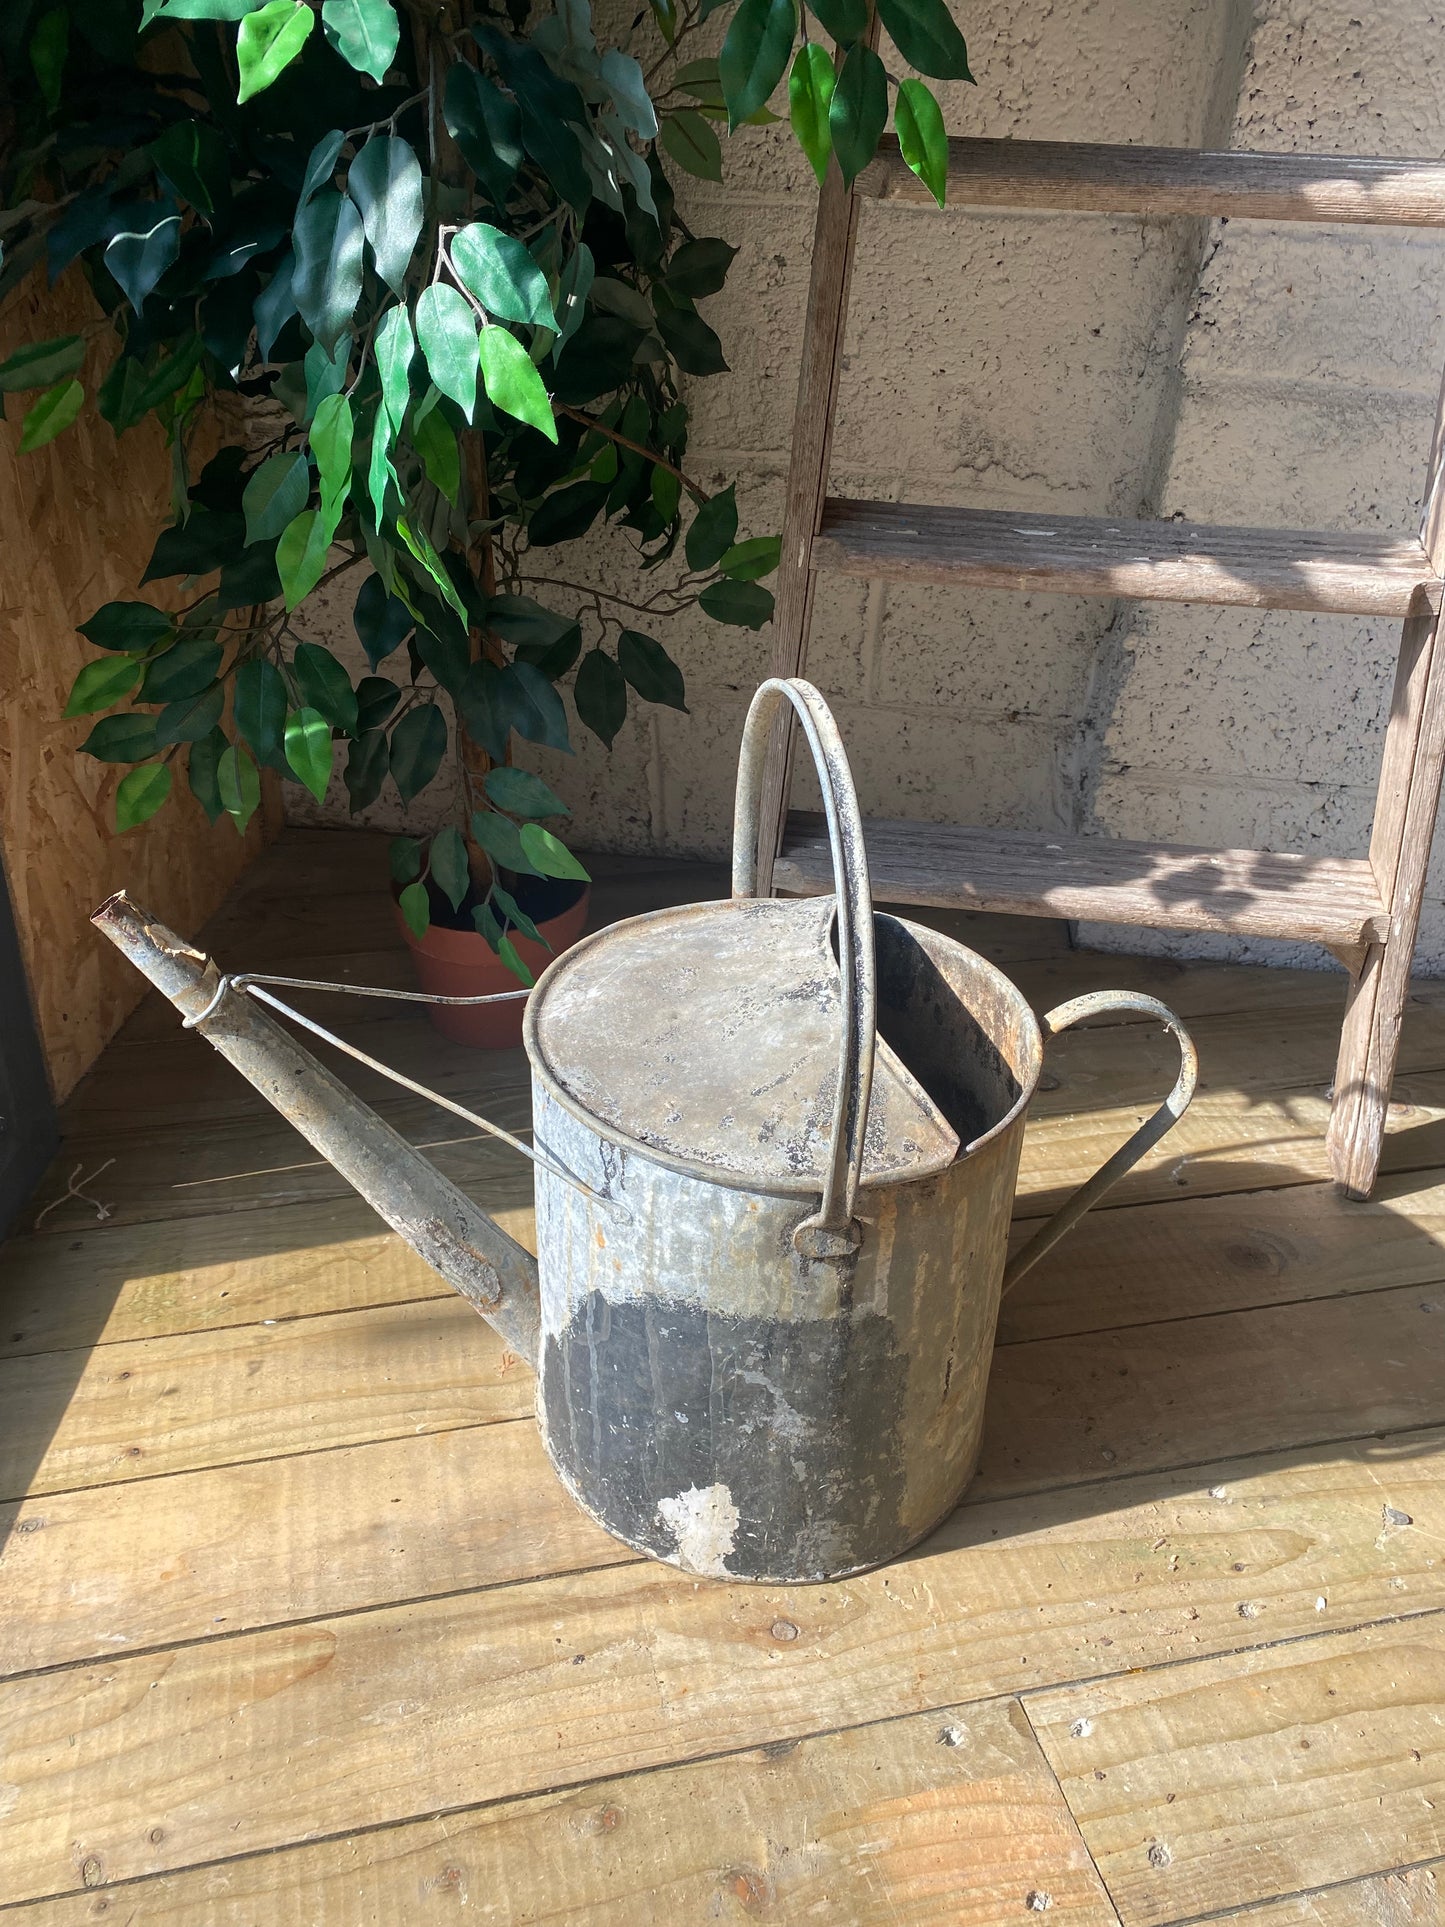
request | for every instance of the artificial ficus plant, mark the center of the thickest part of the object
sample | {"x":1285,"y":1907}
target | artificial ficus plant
{"x":433,"y":243}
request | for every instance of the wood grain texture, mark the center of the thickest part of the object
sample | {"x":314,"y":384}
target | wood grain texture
{"x":154,"y":1762}
{"x":133,"y":1411}
{"x":1413,"y":1898}
{"x":202,"y":1555}
{"x":1094,"y":177}
{"x":1198,"y":1256}
{"x":1106,"y":879}
{"x":80,"y":518}
{"x":883,"y":1826}
{"x":1348,"y":573}
{"x":1211,"y":1786}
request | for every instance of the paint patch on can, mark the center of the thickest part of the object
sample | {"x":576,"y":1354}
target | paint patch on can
{"x":704,"y":1523}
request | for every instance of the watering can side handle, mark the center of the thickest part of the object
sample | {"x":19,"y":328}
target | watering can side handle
{"x":831,"y":1231}
{"x":1144,"y":1139}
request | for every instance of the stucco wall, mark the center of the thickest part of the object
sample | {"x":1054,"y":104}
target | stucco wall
{"x":1088,"y":364}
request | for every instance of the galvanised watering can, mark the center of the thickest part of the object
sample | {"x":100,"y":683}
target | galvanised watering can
{"x":777,"y":1144}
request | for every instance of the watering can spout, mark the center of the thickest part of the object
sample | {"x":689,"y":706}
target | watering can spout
{"x":460,"y":1242}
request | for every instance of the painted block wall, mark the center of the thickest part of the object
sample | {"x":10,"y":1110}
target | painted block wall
{"x":1309,"y":378}
{"x":1088,"y":364}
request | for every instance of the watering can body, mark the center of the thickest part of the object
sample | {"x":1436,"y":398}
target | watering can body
{"x":777,"y":1146}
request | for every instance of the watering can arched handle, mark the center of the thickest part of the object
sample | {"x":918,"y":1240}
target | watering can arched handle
{"x":831,"y":1231}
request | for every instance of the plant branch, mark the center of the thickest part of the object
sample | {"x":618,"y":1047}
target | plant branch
{"x":625,"y":441}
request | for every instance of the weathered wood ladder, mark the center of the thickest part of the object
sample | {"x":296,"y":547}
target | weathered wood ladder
{"x":1365,"y":910}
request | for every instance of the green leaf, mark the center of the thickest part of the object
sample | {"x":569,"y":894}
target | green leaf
{"x":744,"y":605}
{"x":49,"y":44}
{"x":624,"y":80}
{"x":512,"y":382}
{"x":367,"y":762}
{"x":138,"y":257}
{"x":364,"y":32}
{"x":239,"y":783}
{"x":542,"y":717}
{"x":405,"y":857}
{"x":321,"y":165}
{"x":666,"y":491}
{"x":308,"y":749}
{"x":268,"y":41}
{"x":714,"y":530}
{"x":521,"y":793}
{"x":41,"y":363}
{"x":275,"y":305}
{"x":509,"y":955}
{"x":420,"y":545}
{"x":206,"y":541}
{"x":141,"y":794}
{"x":185,"y":669}
{"x":486,"y":126}
{"x":755,"y":55}
{"x":502,"y":841}
{"x":507,"y":904}
{"x":131,"y":626}
{"x":845,"y":20}
{"x":395,"y":347}
{"x":259,"y":710}
{"x":858,"y":112}
{"x":385,"y":183}
{"x":927,"y":36}
{"x":382,"y":621}
{"x":699,"y":268}
{"x":448,"y":861}
{"x":418,"y":744}
{"x":275,"y":495}
{"x":416,"y":909}
{"x":918,"y":122}
{"x":692,"y":343}
{"x":325,"y":686}
{"x":549,"y":856}
{"x":376,"y":698}
{"x":600,"y":693}
{"x":446,"y":328}
{"x":102,"y":683}
{"x":202,"y":763}
{"x":301,"y":556}
{"x":128,"y":738}
{"x":331,"y":439}
{"x":56,"y":409}
{"x":810,"y":94}
{"x":566,"y":514}
{"x":572,"y":292}
{"x":747,"y":561}
{"x":190,"y":717}
{"x":689,"y":141}
{"x":325,"y":373}
{"x":650,"y":670}
{"x":434,"y":439}
{"x":326,"y":282}
{"x":194,"y":158}
{"x":500,"y":272}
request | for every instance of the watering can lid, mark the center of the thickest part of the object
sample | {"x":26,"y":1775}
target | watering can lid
{"x":710,"y":1035}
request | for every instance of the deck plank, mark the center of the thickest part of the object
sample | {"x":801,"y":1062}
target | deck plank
{"x":874,"y":1827}
{"x":140,"y":1409}
{"x":1209,"y":1786}
{"x":154,"y":1762}
{"x":1413,"y":1898}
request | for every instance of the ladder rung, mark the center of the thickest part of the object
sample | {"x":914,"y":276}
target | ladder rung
{"x":1257,"y":893}
{"x":1351,"y":574}
{"x":1102,"y":179}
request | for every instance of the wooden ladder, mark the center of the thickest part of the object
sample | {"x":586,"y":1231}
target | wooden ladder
{"x":1367,"y":911}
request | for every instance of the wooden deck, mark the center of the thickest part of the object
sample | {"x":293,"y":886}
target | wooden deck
{"x":298,"y":1627}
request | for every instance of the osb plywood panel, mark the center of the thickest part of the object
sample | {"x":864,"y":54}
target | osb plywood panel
{"x":80,"y":518}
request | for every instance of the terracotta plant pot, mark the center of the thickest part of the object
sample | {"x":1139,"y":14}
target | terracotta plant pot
{"x":460,"y":963}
